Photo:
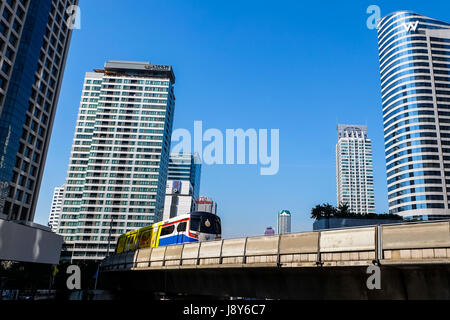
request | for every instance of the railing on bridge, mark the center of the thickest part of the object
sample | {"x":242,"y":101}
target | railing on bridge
{"x":411,"y":243}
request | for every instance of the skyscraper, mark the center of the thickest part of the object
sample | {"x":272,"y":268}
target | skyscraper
{"x":414,"y":55}
{"x":34,"y":42}
{"x":117,"y":173}
{"x":55,"y":210}
{"x":284,"y":222}
{"x":186,"y":167}
{"x":354,"y":169}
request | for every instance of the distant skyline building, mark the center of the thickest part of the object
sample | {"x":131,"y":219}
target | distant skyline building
{"x":354,"y":169}
{"x":186,"y":167}
{"x":55,"y":210}
{"x":414,"y":53}
{"x":206,"y":204}
{"x":179,"y":199}
{"x":116,"y":180}
{"x":269,"y":232}
{"x":284,"y":222}
{"x":34,"y":43}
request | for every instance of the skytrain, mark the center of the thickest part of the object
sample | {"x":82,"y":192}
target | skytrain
{"x":192,"y":227}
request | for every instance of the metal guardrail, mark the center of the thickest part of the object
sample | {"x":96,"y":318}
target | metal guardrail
{"x":394,"y":243}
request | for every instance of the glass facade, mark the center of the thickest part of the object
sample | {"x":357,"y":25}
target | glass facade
{"x":186,"y":167}
{"x":414,"y":53}
{"x":34,"y":41}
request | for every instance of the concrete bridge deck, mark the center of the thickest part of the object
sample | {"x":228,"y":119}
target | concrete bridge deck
{"x":414,"y":260}
{"x":425,"y":242}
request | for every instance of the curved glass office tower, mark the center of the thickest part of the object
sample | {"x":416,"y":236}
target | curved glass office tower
{"x":415,"y":86}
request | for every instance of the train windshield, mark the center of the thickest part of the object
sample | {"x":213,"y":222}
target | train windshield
{"x":206,"y":224}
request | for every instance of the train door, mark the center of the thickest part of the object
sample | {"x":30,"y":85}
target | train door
{"x":181,"y":230}
{"x":155,"y":235}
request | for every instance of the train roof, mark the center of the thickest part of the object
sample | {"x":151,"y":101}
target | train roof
{"x":185,"y":216}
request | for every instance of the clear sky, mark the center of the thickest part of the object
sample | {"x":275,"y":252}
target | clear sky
{"x":298,"y":66}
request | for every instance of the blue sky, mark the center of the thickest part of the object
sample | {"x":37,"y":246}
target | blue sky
{"x":298,"y":66}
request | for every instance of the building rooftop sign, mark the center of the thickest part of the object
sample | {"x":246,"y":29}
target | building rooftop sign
{"x":140,"y":68}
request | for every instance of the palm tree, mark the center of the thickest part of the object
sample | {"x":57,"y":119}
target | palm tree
{"x":325,"y":210}
{"x":344,"y":210}
{"x":330,"y":211}
{"x":317,"y":212}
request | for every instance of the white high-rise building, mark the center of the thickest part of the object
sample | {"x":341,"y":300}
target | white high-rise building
{"x":284,"y":222}
{"x":179,"y":199}
{"x":55,"y":210}
{"x":354,"y":169}
{"x":117,"y":173}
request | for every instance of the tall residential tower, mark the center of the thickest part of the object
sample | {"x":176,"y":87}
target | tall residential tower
{"x":117,"y":174}
{"x":55,"y":210}
{"x":354,"y":169}
{"x":34,"y":42}
{"x":284,"y":222}
{"x":414,"y":55}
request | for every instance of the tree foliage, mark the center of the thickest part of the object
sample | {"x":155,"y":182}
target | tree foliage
{"x":326,"y":210}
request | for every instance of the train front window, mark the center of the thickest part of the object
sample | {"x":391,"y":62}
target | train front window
{"x":195,"y":223}
{"x":206,"y":224}
{"x":218,"y":226}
